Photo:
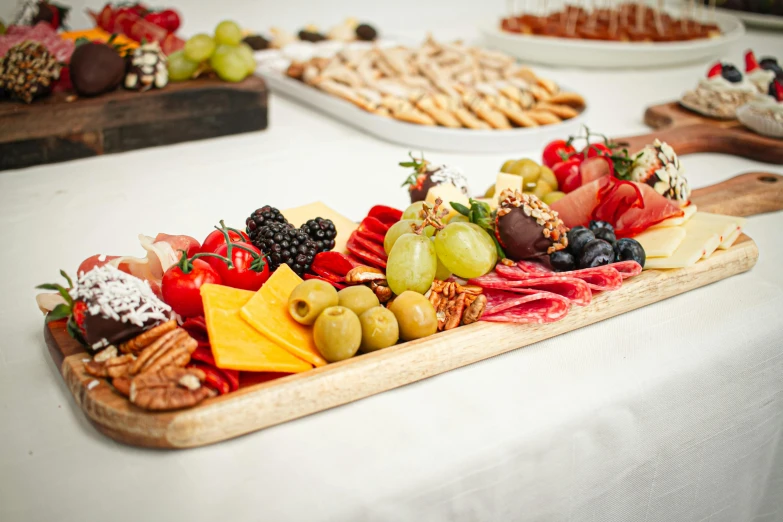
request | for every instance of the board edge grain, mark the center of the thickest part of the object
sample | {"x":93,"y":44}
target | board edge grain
{"x":264,"y":405}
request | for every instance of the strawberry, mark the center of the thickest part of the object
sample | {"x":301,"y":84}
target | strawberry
{"x":78,"y":311}
{"x":715,"y":70}
{"x":750,"y":62}
{"x":778,"y":90}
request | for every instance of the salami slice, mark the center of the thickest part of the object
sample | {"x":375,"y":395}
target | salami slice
{"x":600,"y":278}
{"x":337,"y":285}
{"x":327,"y":274}
{"x":627,"y":268}
{"x":370,"y":246}
{"x":575,"y":290}
{"x":533,"y":267}
{"x":384,"y":214}
{"x":499,"y":300}
{"x":334,"y":262}
{"x":367,"y":257}
{"x":538,"y":308}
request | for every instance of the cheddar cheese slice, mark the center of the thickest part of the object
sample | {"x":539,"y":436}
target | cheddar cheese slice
{"x":235,"y":344}
{"x":267,"y":312}
{"x":298,"y":216}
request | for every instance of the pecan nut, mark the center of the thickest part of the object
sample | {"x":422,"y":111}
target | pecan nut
{"x":138,"y":343}
{"x":456,"y":304}
{"x":107,"y":363}
{"x":171,"y":388}
{"x":364,"y":274}
{"x":173,"y":348}
{"x":474,"y":311}
{"x":382,"y":291}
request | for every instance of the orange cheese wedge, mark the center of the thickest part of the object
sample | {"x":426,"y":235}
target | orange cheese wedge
{"x":235,"y":344}
{"x":267,"y":312}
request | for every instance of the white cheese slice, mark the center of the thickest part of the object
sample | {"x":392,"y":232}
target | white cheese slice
{"x":702,"y":237}
{"x":506,"y":181}
{"x":724,"y":225}
{"x":730,"y":240}
{"x":689,"y":211}
{"x":661,"y":242}
{"x":300,"y":215}
{"x":448,"y":193}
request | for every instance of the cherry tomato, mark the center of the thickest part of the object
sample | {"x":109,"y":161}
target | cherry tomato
{"x":139,"y":9}
{"x":216,"y":239}
{"x":105,"y":19}
{"x":554,"y":152}
{"x":595,"y":149}
{"x":171,"y":20}
{"x":156,"y":18}
{"x":250,"y":269}
{"x":567,"y":174}
{"x":181,"y":286}
{"x":595,"y":168}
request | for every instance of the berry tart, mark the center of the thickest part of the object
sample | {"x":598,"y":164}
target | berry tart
{"x":765,"y":115}
{"x":721,"y":93}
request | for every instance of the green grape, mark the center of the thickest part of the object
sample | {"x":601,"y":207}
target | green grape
{"x":247,"y":54}
{"x":458,"y":218}
{"x":180,"y":68}
{"x":466,"y":249}
{"x":229,"y":64}
{"x":412,"y":264}
{"x":442,"y":273}
{"x":403,"y":227}
{"x":412,"y":212}
{"x":199,"y":48}
{"x":228,"y":32}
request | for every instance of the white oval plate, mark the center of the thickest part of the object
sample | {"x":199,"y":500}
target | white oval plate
{"x":272,"y":64}
{"x":766,"y":21}
{"x":588,"y":53}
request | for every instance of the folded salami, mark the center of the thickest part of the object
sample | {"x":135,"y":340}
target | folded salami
{"x":535,"y":308}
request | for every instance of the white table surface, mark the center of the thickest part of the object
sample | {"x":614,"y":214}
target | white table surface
{"x":673,"y":412}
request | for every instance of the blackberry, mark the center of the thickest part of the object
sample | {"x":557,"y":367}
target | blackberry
{"x":322,"y":231}
{"x":262,"y":217}
{"x":283,"y":243}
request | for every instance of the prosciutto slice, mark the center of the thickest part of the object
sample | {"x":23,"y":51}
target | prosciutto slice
{"x":628,"y":206}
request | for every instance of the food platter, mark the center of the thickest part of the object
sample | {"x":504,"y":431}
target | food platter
{"x":766,"y":21}
{"x":417,"y":136}
{"x":600,"y":54}
{"x":267,"y":404}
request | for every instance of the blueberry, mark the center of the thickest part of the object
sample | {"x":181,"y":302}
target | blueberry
{"x":596,"y":253}
{"x":595,"y":225}
{"x":731,"y":73}
{"x":606,"y":234}
{"x":578,"y":237}
{"x":562,"y":261}
{"x":627,"y":249}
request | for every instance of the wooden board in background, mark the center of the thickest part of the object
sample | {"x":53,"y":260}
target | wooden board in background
{"x":689,"y":132}
{"x":53,"y":130}
{"x":262,"y":405}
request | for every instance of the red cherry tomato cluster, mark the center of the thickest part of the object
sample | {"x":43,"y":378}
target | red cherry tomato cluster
{"x":565,"y":161}
{"x":226,"y":258}
{"x":140,"y":23}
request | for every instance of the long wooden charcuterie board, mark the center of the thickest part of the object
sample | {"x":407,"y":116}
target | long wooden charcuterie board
{"x":56,"y":129}
{"x":262,"y":405}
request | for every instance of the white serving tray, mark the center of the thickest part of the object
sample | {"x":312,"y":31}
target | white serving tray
{"x":271,"y":65}
{"x":766,"y":21}
{"x":599,"y":54}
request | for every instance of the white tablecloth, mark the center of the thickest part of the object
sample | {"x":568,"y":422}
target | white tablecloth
{"x":669,"y":413}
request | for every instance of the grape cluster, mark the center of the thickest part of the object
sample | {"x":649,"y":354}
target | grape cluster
{"x":225,"y":53}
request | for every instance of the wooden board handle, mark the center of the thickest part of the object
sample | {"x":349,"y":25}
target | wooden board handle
{"x":743,"y":195}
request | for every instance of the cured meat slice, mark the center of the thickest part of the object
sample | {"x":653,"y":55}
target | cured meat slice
{"x":513,"y":272}
{"x":334,"y":262}
{"x":537,"y":308}
{"x":574,"y":289}
{"x":499,"y":300}
{"x":627,"y":268}
{"x":327,"y":274}
{"x":533,"y":267}
{"x":386,"y":215}
{"x":367,"y":257}
{"x":337,"y":285}
{"x":370,"y":246}
{"x":180,"y":242}
{"x":490,"y":280}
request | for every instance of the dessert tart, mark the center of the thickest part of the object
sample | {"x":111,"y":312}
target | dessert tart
{"x":765,"y":115}
{"x":721,"y":93}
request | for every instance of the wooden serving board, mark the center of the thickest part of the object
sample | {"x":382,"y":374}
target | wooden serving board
{"x":262,"y":405}
{"x":688,"y":132}
{"x":53,"y":129}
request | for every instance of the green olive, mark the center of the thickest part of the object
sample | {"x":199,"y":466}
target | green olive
{"x":490,"y":192}
{"x":415,"y":315}
{"x":549,"y":176}
{"x":379,"y":329}
{"x":553,"y":196}
{"x":542,"y":189}
{"x":358,"y":299}
{"x":337,"y":333}
{"x":507,"y":165}
{"x":309,"y":299}
{"x":441,"y":272}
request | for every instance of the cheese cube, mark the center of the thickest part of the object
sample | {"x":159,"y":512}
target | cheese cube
{"x":235,"y":344}
{"x":298,"y":216}
{"x":506,"y":181}
{"x":267,"y":312}
{"x":661,"y":242}
{"x":689,"y":211}
{"x":448,"y":193}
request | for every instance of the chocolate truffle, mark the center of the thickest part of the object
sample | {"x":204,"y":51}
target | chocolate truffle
{"x":527,"y":228}
{"x":311,"y":36}
{"x":366,"y":32}
{"x":117,"y":307}
{"x":256,"y":42}
{"x":96,"y":68}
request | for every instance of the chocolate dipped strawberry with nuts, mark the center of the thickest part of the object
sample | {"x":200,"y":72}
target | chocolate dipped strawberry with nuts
{"x":426,"y":175}
{"x":527,"y":228}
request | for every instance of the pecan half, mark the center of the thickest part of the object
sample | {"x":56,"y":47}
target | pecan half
{"x":382,"y":291}
{"x":173,"y":348}
{"x":475,"y":310}
{"x":171,"y":388}
{"x":122,"y":384}
{"x":107,"y":363}
{"x":456,"y":304}
{"x":145,"y":339}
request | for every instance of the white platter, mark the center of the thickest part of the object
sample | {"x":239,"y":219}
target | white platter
{"x":756,"y":19}
{"x":271,"y":65}
{"x":599,"y":54}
